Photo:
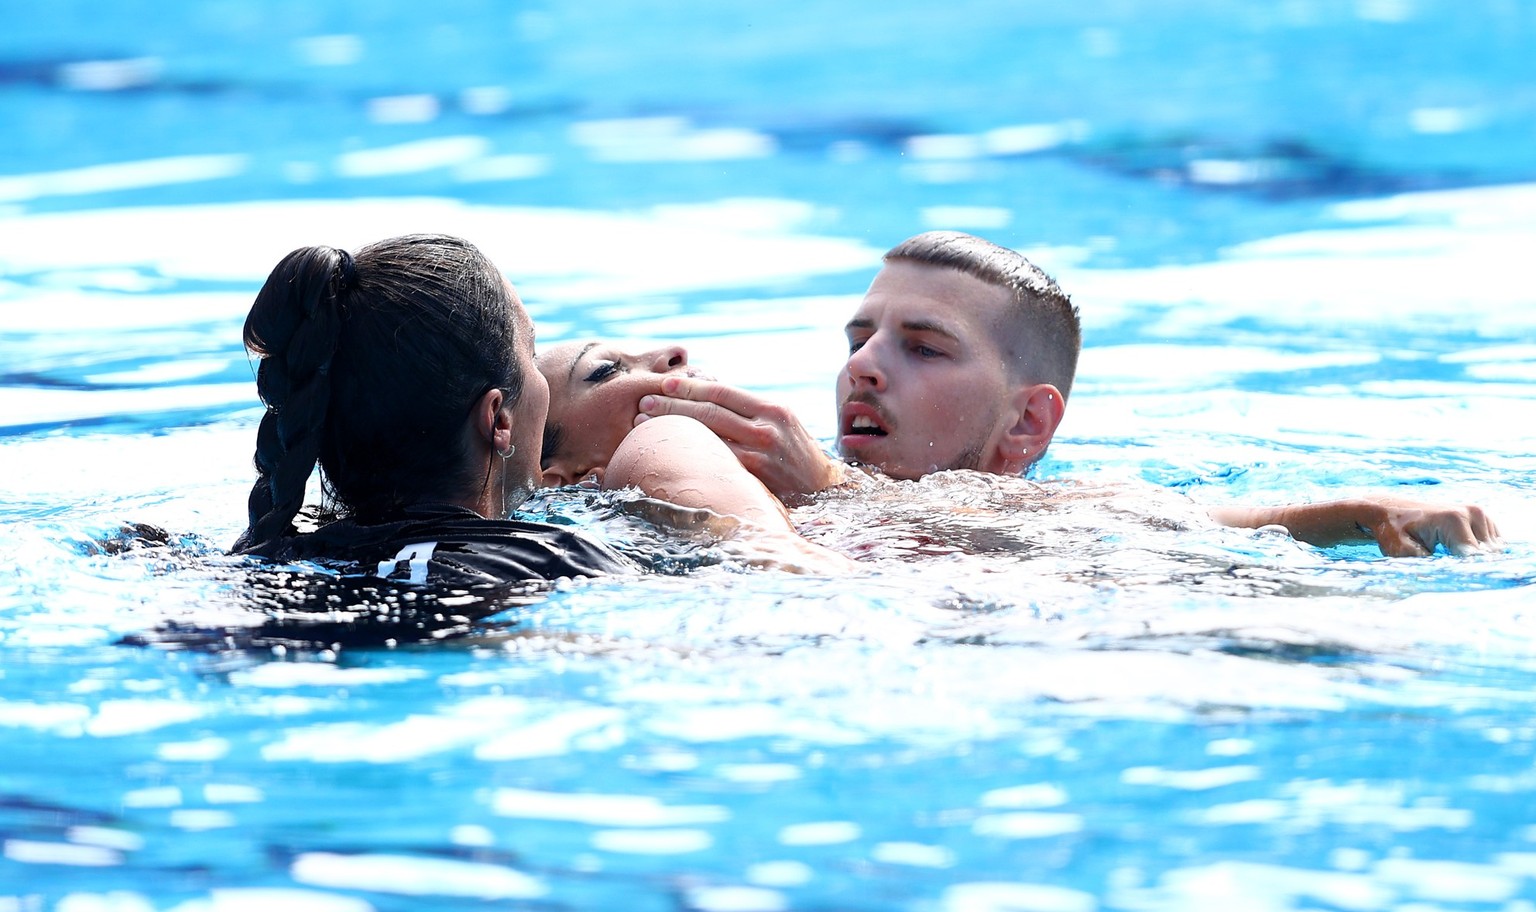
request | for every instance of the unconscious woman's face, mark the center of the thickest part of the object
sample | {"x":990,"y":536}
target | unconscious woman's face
{"x":594,"y":395}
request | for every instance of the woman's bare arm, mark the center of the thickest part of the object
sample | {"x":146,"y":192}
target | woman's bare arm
{"x":680,"y":461}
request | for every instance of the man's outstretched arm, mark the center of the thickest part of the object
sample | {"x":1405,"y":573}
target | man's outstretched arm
{"x":1401,"y":528}
{"x":767,"y":438}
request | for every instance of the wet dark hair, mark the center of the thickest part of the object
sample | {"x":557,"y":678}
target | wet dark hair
{"x":369,"y":367}
{"x":1045,"y":336}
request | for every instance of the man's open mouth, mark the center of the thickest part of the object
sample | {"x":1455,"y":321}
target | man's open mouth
{"x":865,"y":426}
{"x":863,"y":418}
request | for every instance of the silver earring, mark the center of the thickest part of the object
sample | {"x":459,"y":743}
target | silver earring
{"x":511,"y":448}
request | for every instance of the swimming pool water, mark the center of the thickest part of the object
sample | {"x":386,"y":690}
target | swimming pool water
{"x":1296,"y":233}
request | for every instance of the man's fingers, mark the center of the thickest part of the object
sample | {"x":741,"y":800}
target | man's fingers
{"x":1395,"y":541}
{"x":1483,"y":527}
{"x":1459,"y":539}
{"x":727,"y":397}
{"x":1462,"y":532}
{"x":722,"y":421}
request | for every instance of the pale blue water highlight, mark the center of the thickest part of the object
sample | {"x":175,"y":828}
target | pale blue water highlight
{"x":1297,"y":233}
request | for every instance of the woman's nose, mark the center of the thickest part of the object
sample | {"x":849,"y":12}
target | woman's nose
{"x":667,"y":358}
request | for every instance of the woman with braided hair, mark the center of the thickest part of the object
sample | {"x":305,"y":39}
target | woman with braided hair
{"x":406,"y":374}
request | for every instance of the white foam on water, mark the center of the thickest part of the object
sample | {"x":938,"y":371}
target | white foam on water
{"x":641,"y":811}
{"x":913,"y":854}
{"x":116,"y":718}
{"x":361,"y":742}
{"x":758,"y":773}
{"x":1447,"y":252}
{"x":669,"y":139}
{"x":1000,"y":896}
{"x":1026,"y":825}
{"x":1035,"y":795}
{"x":231,"y":793}
{"x":821,"y":832}
{"x":22,"y":406}
{"x":321,"y":674}
{"x":60,"y":717}
{"x":581,"y":727}
{"x":1448,"y":881}
{"x":265,"y":899}
{"x":735,"y":899}
{"x":412,"y":876}
{"x":107,"y":837}
{"x":113,"y":901}
{"x":407,"y":158}
{"x":1190,"y":780}
{"x":31,"y":851}
{"x":779,"y":873}
{"x":1260,"y":887}
{"x":548,"y":253}
{"x":652,"y":842}
{"x":157,"y":172}
{"x":203,"y":750}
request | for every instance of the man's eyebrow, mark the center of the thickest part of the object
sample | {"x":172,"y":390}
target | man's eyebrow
{"x":928,"y":326}
{"x":859,"y":323}
{"x":571,"y":374}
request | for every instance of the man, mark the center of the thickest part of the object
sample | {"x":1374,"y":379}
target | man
{"x":961,"y":356}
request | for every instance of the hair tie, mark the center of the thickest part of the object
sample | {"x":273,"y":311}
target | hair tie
{"x":346,"y":272}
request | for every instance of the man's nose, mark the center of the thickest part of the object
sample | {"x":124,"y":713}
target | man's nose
{"x":667,"y":358}
{"x":864,"y":369}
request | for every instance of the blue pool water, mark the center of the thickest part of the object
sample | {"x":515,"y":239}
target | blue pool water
{"x":1298,"y":233}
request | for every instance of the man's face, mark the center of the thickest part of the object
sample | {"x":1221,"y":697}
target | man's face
{"x":925,"y":385}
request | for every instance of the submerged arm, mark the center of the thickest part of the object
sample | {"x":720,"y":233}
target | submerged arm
{"x":1401,"y":528}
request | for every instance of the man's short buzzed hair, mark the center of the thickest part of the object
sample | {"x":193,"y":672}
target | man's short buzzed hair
{"x":1044,"y":335}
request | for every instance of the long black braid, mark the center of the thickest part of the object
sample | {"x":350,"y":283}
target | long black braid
{"x":295,"y":326}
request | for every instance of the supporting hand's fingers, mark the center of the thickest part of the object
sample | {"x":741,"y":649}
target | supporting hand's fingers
{"x":1395,"y":541}
{"x":1455,"y":532}
{"x":729,"y":398}
{"x":1462,"y":530}
{"x":767,"y":438}
{"x":1483,"y":526}
{"x":720,"y":419}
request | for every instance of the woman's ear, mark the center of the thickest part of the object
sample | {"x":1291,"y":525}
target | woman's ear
{"x":487,"y":417}
{"x":492,"y":420}
{"x":559,"y":473}
{"x":1037,"y":411}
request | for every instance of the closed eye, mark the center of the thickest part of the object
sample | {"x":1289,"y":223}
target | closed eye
{"x":603,"y":371}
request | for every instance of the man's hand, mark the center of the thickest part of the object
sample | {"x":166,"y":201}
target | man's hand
{"x":1401,"y":528}
{"x":768,"y":439}
{"x":1406,"y":528}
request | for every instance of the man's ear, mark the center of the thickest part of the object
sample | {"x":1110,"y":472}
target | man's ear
{"x":1037,"y":411}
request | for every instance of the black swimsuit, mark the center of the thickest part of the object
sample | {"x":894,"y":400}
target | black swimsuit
{"x":445,"y":545}
{"x":425,"y":573}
